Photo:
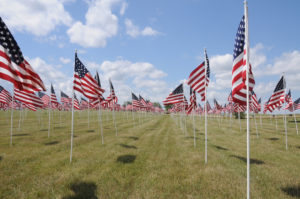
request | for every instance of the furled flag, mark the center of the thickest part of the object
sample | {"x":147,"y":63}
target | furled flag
{"x":5,"y":96}
{"x":53,"y":98}
{"x":198,"y":78}
{"x":84,"y":82}
{"x":76,"y":102}
{"x":289,"y":101}
{"x":193,"y":101}
{"x":135,"y":101}
{"x":297,"y":104}
{"x":29,"y":98}
{"x":45,"y":99}
{"x":175,"y":97}
{"x":13,"y":66}
{"x":112,"y":98}
{"x":278,"y":96}
{"x":239,"y":85}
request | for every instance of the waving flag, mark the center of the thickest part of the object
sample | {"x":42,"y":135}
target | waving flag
{"x":135,"y":101}
{"x":76,"y":102}
{"x":193,"y":101}
{"x":143,"y":102}
{"x":64,"y":98}
{"x":217,"y":106}
{"x":289,"y":101}
{"x":175,"y":97}
{"x":112,"y":98}
{"x":239,"y":87}
{"x":45,"y":99}
{"x":198,"y":78}
{"x":5,"y":96}
{"x":278,"y":96}
{"x":84,"y":82}
{"x":13,"y":66}
{"x":254,"y":104}
{"x":53,"y":99}
{"x":297,"y":104}
{"x":29,"y":98}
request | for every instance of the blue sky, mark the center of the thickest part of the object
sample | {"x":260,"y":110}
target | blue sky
{"x":149,"y":47}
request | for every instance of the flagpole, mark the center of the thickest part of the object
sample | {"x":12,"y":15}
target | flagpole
{"x":100,"y":118}
{"x":205,"y":101}
{"x":11,"y":119}
{"x":49,"y":114}
{"x":247,"y":81}
{"x":72,"y":123}
{"x":88,"y":114}
{"x":295,"y":118}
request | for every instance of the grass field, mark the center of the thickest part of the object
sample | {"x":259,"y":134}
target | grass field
{"x":153,"y":156}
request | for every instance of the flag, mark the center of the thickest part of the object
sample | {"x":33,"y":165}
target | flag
{"x":289,"y":101}
{"x":198,"y":78}
{"x":76,"y":102}
{"x":143,"y":102}
{"x":5,"y":96}
{"x":45,"y":99}
{"x":13,"y":66}
{"x":230,"y":100}
{"x":254,"y":104}
{"x":29,"y":98}
{"x":278,"y":96}
{"x":135,"y":101}
{"x":193,"y":101}
{"x":297,"y":104}
{"x":112,"y":98}
{"x":175,"y":97}
{"x":53,"y":99}
{"x":83,"y":103}
{"x":208,"y":107}
{"x":84,"y":82}
{"x":217,"y":106}
{"x":239,"y":108}
{"x":64,"y":98}
{"x":239,"y":87}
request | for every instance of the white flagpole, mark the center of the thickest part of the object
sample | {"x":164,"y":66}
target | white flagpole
{"x":100,"y":118}
{"x":20,"y":115}
{"x":115,"y":118}
{"x":205,"y":93}
{"x":276,"y":122}
{"x":295,"y":119}
{"x":49,"y":121}
{"x":194,"y":129}
{"x":11,"y":119}
{"x":260,"y":121}
{"x":72,"y":125}
{"x":88,"y":114}
{"x":255,"y":124}
{"x":247,"y":81}
{"x":239,"y":115}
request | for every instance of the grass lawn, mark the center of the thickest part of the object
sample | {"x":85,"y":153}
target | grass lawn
{"x":153,"y":156}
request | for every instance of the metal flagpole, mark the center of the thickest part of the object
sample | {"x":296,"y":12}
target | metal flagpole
{"x":72,"y":122}
{"x":11,"y":119}
{"x":194,"y":129}
{"x":114,"y":118}
{"x":205,"y":96}
{"x":49,"y":122}
{"x":239,"y":115}
{"x":20,"y":115}
{"x":295,"y":119}
{"x":247,"y":81}
{"x":260,"y":121}
{"x":255,"y":125}
{"x":88,"y":114}
{"x":276,"y":122}
{"x":100,"y":120}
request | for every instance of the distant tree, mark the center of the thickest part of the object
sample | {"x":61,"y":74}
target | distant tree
{"x":167,"y":107}
{"x":126,"y":103}
{"x":242,"y":115}
{"x":157,"y":104}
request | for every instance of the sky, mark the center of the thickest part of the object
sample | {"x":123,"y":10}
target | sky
{"x":150,"y":47}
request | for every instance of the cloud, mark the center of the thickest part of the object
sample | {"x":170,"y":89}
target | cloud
{"x":38,"y":17}
{"x":134,"y":31}
{"x":64,"y":60}
{"x":124,"y":6}
{"x":100,"y":24}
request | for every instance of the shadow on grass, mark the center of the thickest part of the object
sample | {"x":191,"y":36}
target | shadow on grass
{"x":133,"y":137}
{"x":0,"y":158}
{"x":252,"y":161}
{"x":192,"y":137}
{"x":298,"y":147}
{"x":51,"y":143}
{"x":44,"y":130}
{"x":220,"y":148}
{"x":83,"y":190}
{"x":293,"y":191}
{"x":273,"y":139}
{"x":58,"y":127}
{"x":128,"y":146}
{"x":125,"y":159}
{"x":90,"y":131}
{"x":21,"y":134}
{"x":293,"y":121}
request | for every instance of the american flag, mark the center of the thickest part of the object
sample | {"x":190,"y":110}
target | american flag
{"x":217,"y":105}
{"x":76,"y":102}
{"x":198,"y":78}
{"x":239,"y":108}
{"x":135,"y":101}
{"x":29,"y":98}
{"x":53,"y":98}
{"x":112,"y":98}
{"x":13,"y":66}
{"x":208,"y":107}
{"x":64,"y":98}
{"x":83,"y":103}
{"x":45,"y":99}
{"x":84,"y":82}
{"x":143,"y":102}
{"x":175,"y":97}
{"x":5,"y":96}
{"x":230,"y":100}
{"x":239,"y":87}
{"x":278,"y":96}
{"x":297,"y":104}
{"x":254,"y":105}
{"x":193,"y":101}
{"x":289,"y":101}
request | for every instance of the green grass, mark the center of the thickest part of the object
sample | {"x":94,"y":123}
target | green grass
{"x":152,"y":157}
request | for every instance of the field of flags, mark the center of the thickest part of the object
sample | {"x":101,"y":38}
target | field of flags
{"x":34,"y":104}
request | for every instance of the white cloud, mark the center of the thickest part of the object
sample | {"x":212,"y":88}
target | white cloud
{"x":64,"y":60}
{"x":134,"y":31}
{"x":38,"y":17}
{"x":100,"y":25}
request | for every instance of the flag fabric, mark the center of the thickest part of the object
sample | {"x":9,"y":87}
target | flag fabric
{"x":45,"y":99}
{"x":135,"y":101}
{"x":143,"y":102}
{"x":13,"y":67}
{"x":175,"y":97}
{"x":278,"y":96}
{"x":64,"y":98}
{"x":239,"y":87}
{"x":83,"y":103}
{"x":5,"y":96}
{"x":29,"y":98}
{"x":198,"y":78}
{"x":193,"y":101}
{"x":239,"y":108}
{"x":53,"y":98}
{"x":217,"y":106}
{"x":84,"y":82}
{"x":208,"y":107}
{"x":76,"y":102}
{"x":297,"y":104}
{"x":254,"y":105}
{"x":230,"y":100}
{"x":289,"y":101}
{"x":112,"y":98}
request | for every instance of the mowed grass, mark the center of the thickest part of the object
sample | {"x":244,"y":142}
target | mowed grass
{"x":153,"y":156}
